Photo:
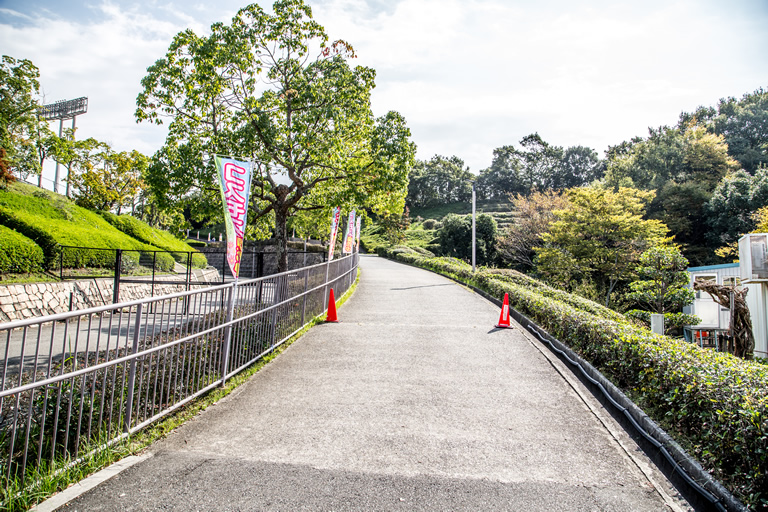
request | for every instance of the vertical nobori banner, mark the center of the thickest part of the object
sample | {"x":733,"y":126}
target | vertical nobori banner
{"x":235,"y":186}
{"x":335,"y":217}
{"x":357,"y":232}
{"x":349,"y":240}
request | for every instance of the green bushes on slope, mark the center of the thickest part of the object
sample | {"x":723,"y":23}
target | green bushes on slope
{"x":143,"y":232}
{"x":18,"y":253}
{"x":714,"y":404}
{"x":51,"y":220}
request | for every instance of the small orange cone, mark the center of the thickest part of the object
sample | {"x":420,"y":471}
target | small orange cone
{"x":331,"y":316}
{"x":504,"y":317}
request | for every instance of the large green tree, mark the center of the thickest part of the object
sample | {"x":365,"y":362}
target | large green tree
{"x":110,"y":180}
{"x":503,"y":176}
{"x":275,"y":89}
{"x":455,"y":237}
{"x":537,"y":165}
{"x":533,"y":215}
{"x":19,"y":88}
{"x":598,"y":237}
{"x":684,"y":167}
{"x":579,"y":166}
{"x":662,"y":287}
{"x":540,"y":163}
{"x":730,"y":210}
{"x":743,"y":123}
{"x":440,"y":180}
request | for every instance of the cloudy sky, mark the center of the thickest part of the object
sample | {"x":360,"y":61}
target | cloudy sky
{"x":468,"y":75}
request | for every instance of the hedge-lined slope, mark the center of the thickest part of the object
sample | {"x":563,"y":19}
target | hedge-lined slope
{"x":18,"y":253}
{"x":51,"y":220}
{"x":145,"y":233}
{"x":714,"y":404}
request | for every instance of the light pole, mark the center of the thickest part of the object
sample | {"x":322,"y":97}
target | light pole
{"x":474,"y":238}
{"x":61,"y":110}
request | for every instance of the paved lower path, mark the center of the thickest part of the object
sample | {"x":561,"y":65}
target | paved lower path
{"x":412,"y":402}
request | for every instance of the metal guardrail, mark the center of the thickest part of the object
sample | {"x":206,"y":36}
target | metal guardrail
{"x":153,"y":268}
{"x":76,"y":380}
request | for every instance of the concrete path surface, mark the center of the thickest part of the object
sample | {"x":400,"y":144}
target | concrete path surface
{"x":412,"y":402}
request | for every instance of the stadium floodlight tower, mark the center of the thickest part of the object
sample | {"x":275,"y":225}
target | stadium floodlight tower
{"x":61,"y":110}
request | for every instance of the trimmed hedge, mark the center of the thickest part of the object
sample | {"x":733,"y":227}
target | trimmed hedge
{"x":714,"y":404}
{"x":145,"y":233}
{"x":51,"y":220}
{"x":18,"y":253}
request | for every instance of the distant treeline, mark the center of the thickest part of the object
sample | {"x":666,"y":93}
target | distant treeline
{"x":709,"y":173}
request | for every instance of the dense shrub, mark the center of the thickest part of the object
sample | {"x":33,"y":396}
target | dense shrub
{"x":145,"y":233}
{"x":51,"y":220}
{"x":713,"y":403}
{"x":18,"y":253}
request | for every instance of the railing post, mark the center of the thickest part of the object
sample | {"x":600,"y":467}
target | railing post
{"x":228,"y":334}
{"x":223,"y":268}
{"x":304,"y":302}
{"x":61,"y":258}
{"x":132,"y":374}
{"x":276,"y":299}
{"x":118,"y":267}
{"x":154,"y":265}
{"x":325,"y":289}
{"x":188,"y":282}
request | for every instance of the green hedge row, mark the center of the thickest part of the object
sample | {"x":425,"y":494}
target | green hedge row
{"x":714,"y":404}
{"x":145,"y":233}
{"x":52,"y":221}
{"x":18,"y":253}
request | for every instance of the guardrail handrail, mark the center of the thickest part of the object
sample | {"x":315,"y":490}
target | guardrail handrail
{"x":104,"y":372}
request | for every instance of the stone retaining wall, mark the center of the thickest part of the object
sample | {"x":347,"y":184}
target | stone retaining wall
{"x":22,"y":301}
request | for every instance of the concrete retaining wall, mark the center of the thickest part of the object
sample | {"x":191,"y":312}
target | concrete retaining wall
{"x":22,"y":301}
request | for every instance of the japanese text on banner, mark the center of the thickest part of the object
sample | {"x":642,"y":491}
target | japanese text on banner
{"x":235,"y":187}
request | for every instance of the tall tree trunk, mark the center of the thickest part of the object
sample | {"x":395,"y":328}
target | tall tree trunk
{"x":281,"y":238}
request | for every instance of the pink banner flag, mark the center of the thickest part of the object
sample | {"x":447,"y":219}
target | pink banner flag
{"x":349,"y":240}
{"x":335,"y":217}
{"x":235,"y":187}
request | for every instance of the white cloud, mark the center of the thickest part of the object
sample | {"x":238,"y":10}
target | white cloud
{"x":468,"y":75}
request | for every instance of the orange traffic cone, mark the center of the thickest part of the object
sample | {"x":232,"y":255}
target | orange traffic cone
{"x":331,"y":316}
{"x":504,"y":317}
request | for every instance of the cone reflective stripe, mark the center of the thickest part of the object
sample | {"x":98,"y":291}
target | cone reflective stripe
{"x":504,"y":317}
{"x":331,"y":316}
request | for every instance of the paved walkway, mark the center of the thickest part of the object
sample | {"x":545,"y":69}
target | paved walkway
{"x":412,"y":402}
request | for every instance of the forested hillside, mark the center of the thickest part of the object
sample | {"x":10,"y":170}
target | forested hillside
{"x":581,"y":221}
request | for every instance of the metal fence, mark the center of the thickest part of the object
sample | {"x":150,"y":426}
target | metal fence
{"x":174,"y":269}
{"x":77,"y":380}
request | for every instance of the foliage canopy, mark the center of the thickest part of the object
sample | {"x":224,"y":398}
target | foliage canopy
{"x":274,"y":89}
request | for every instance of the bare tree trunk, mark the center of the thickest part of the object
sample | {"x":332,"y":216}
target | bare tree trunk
{"x":743,"y":338}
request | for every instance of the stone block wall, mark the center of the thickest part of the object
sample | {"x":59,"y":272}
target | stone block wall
{"x":22,"y":301}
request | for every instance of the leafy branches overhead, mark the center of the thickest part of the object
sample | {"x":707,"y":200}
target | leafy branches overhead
{"x":275,"y":89}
